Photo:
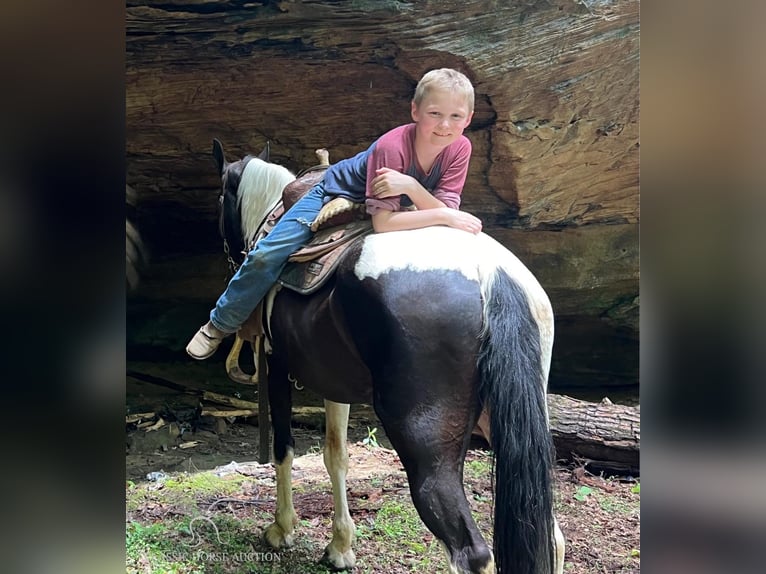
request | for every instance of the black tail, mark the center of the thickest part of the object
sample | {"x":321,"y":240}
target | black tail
{"x":512,"y":388}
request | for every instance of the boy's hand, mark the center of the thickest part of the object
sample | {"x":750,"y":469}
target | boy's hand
{"x":391,"y":183}
{"x":462,"y":220}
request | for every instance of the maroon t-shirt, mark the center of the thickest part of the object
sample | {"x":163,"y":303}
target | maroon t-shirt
{"x":396,"y":150}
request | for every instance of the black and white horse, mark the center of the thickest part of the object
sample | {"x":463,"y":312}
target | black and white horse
{"x":429,"y":326}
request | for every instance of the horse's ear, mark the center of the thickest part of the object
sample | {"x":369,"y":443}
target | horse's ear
{"x":264,"y":155}
{"x":220,"y":159}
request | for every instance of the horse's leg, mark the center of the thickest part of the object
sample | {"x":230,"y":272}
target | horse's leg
{"x":559,"y":538}
{"x":280,"y":533}
{"x":338,"y":553}
{"x":432,"y":441}
{"x":546,"y":326}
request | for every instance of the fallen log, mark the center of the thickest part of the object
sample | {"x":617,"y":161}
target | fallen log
{"x":139,"y":417}
{"x":204,"y":395}
{"x":229,"y":413}
{"x":229,"y":401}
{"x":601,"y":436}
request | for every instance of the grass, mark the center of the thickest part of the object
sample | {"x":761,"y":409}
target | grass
{"x":479,"y":468}
{"x":205,"y":523}
{"x":397,"y":535}
{"x":172,"y":528}
{"x":609,"y":503}
{"x":183,"y":489}
{"x":176,"y":525}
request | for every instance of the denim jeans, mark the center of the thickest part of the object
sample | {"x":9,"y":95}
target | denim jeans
{"x":265,"y":262}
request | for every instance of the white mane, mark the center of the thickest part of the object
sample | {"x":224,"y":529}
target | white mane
{"x":259,"y":190}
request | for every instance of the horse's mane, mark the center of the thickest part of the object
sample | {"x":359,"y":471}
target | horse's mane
{"x":259,"y":190}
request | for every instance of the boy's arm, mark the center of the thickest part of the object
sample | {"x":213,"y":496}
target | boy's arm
{"x":384,"y":220}
{"x":430,"y":210}
{"x":392,"y":183}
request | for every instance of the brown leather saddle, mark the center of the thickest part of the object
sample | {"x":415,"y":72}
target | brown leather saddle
{"x":338,"y":225}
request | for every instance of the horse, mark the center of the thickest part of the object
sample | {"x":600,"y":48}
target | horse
{"x":429,"y":326}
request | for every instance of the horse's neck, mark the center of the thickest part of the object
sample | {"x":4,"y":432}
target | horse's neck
{"x":259,"y":191}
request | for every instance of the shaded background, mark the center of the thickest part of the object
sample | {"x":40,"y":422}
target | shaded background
{"x":553,"y":175}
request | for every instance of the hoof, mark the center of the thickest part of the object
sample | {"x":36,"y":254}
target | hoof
{"x":277,"y":538}
{"x":338,"y":561}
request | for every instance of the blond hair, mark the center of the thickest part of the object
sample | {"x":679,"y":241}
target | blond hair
{"x":444,"y":79}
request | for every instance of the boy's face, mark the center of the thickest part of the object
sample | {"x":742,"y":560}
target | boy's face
{"x":441,"y":117}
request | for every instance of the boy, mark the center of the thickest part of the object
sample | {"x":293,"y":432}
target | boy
{"x":424,"y":164}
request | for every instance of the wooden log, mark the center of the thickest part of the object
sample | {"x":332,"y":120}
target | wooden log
{"x":229,"y":413}
{"x":603,"y":436}
{"x":606,"y":435}
{"x":204,"y":395}
{"x":228,"y":401}
{"x":138,"y":417}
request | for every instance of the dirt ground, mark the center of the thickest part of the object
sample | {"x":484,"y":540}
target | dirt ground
{"x":219,"y":440}
{"x":600,"y":517}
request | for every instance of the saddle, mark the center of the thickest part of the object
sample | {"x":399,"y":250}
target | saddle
{"x":338,"y":224}
{"x":309,"y":268}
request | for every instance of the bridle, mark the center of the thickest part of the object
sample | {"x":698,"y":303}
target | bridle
{"x":232,"y":264}
{"x":267,"y":223}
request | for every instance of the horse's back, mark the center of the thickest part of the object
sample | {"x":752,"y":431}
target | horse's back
{"x":442,"y":249}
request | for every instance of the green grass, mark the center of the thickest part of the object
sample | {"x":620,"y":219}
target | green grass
{"x":178,"y":533}
{"x":398,"y":525}
{"x":173,"y":527}
{"x":607,"y":502}
{"x":477,"y":469}
{"x":183,"y":489}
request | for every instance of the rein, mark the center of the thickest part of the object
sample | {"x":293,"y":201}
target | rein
{"x":261,"y":232}
{"x":233,"y":265}
{"x":273,"y":213}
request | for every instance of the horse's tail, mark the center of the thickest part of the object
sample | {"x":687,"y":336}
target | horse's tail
{"x":513,"y":369}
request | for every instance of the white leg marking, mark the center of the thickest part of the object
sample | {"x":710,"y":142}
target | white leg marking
{"x":452,"y":568}
{"x":338,"y":552}
{"x":488,"y":569}
{"x":280,"y":533}
{"x":559,"y":537}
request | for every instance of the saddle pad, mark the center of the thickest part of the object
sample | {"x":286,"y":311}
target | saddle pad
{"x":318,"y":260}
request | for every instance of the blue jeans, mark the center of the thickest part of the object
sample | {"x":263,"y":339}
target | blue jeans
{"x":265,"y":262}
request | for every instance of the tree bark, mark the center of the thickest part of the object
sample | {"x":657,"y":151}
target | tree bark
{"x":603,"y":436}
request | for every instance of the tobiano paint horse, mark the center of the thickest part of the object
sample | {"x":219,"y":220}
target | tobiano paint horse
{"x":430,"y":326}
